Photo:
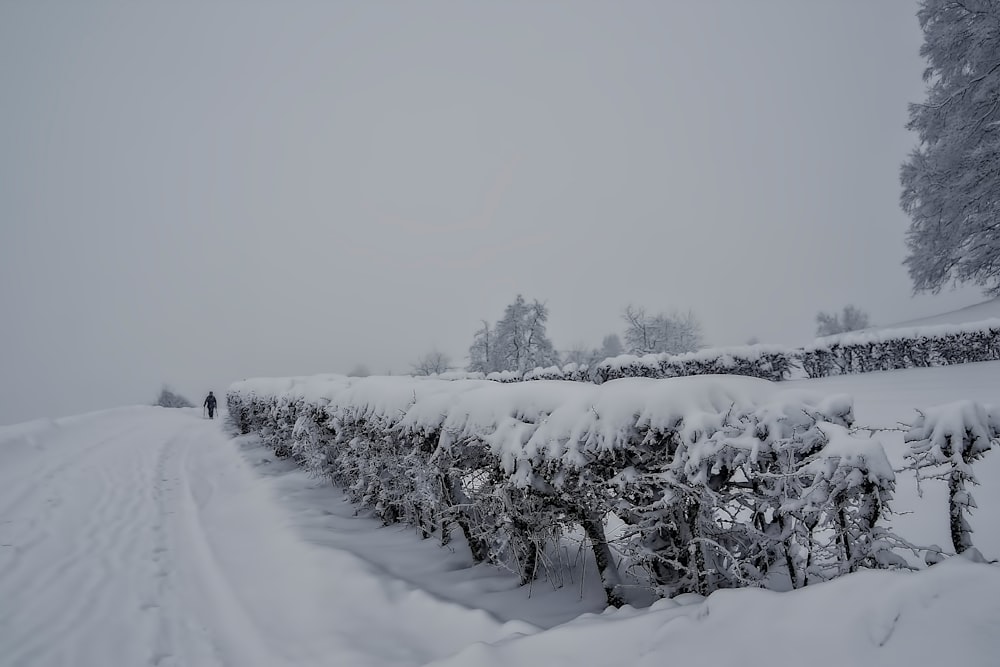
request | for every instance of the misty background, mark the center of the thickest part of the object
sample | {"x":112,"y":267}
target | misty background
{"x":194,"y":193}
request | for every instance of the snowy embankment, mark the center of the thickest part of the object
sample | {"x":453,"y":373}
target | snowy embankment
{"x":947,"y":615}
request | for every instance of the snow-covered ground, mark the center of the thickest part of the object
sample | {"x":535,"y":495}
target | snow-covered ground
{"x":141,"y":536}
{"x":987,"y":310}
{"x":144,"y":536}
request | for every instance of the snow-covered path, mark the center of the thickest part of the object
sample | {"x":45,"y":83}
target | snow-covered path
{"x":140,"y":536}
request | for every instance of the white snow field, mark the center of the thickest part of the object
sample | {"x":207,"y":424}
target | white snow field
{"x":145,"y":536}
{"x":977,"y":312}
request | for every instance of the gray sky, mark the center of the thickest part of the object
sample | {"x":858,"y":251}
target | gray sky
{"x":195,"y":193}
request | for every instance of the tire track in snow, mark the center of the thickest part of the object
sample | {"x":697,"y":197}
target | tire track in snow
{"x":40,"y":530}
{"x":24,"y":488}
{"x":221,"y":624}
{"x":237,"y":564}
{"x":86,"y":559}
{"x":176,"y":635}
{"x":86,"y":566}
{"x":16,"y":493}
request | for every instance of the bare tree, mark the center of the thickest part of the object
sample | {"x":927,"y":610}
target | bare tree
{"x":639,"y":335}
{"x":851,"y":318}
{"x":673,"y":333}
{"x":432,"y":363}
{"x":482,"y":352}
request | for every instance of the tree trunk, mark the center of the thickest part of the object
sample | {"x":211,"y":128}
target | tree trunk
{"x":455,"y":497}
{"x":957,"y":500}
{"x":610,"y":577}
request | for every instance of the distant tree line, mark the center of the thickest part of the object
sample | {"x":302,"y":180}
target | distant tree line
{"x":519,"y":342}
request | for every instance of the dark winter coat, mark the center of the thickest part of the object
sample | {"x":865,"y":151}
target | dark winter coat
{"x":210,"y":402}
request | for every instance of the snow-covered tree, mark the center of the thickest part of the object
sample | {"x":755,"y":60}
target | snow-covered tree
{"x":673,"y":333}
{"x":951,"y":180}
{"x":851,"y":318}
{"x":518,"y":342}
{"x":431,"y":363}
{"x":483,"y":351}
{"x":639,"y":335}
{"x":944,"y":443}
{"x":170,"y":399}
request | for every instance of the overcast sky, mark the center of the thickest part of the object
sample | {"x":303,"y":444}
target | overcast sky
{"x":194,"y":193}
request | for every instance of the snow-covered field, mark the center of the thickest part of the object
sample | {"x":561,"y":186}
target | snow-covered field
{"x":985,"y":310}
{"x":144,"y":536}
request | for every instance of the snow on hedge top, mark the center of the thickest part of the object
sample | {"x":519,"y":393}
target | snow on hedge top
{"x":884,"y":335}
{"x":956,"y":431}
{"x":545,"y":419}
{"x":725,"y":356}
{"x":847,"y":455}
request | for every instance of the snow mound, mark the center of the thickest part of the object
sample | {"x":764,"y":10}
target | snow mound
{"x":945,"y":615}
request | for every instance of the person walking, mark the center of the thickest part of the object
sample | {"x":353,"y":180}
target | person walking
{"x":210,"y":403}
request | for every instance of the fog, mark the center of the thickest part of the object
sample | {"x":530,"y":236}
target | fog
{"x":194,"y":193}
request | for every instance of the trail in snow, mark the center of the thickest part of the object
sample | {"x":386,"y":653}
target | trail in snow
{"x":141,"y":537}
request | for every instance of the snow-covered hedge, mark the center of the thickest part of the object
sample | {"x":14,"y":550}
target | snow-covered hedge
{"x":770,"y":362}
{"x":858,"y":352}
{"x":864,"y":352}
{"x":719,"y":481}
